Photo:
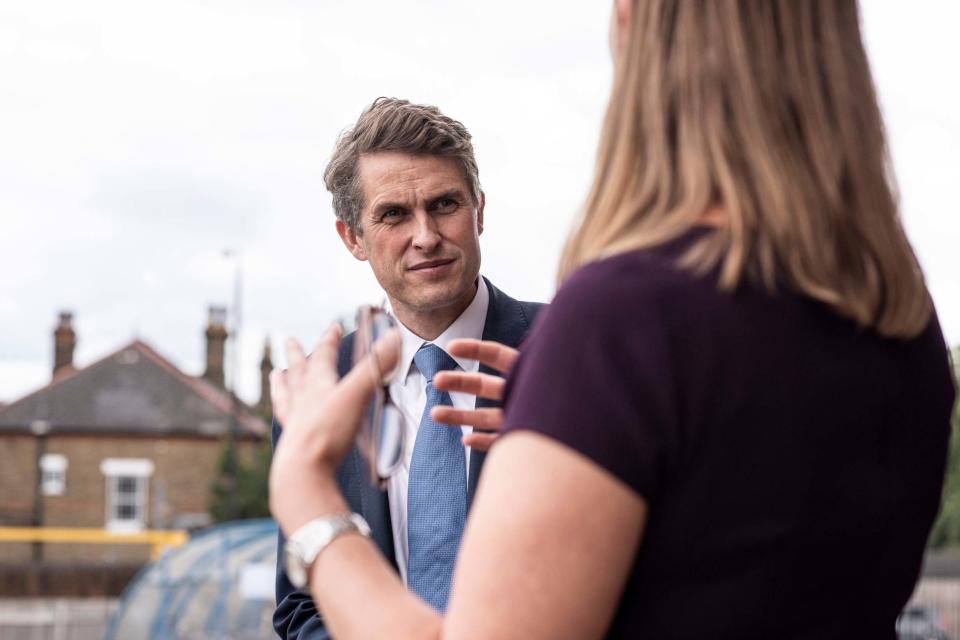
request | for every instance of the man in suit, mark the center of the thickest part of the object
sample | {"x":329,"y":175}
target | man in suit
{"x":407,"y":197}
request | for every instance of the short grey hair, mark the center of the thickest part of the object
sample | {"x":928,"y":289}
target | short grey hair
{"x":391,"y":124}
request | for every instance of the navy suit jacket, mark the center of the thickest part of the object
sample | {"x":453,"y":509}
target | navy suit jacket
{"x":296,"y":615}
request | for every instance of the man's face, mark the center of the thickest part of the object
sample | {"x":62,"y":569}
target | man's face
{"x":419,"y":229}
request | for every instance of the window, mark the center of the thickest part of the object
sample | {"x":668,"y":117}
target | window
{"x":127,"y":484}
{"x":53,"y":474}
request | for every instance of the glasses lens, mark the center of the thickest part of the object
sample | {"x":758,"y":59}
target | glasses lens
{"x":390,"y":450}
{"x":380,"y":324}
{"x":380,"y":437}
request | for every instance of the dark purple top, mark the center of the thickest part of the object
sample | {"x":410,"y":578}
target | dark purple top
{"x":792,"y":463}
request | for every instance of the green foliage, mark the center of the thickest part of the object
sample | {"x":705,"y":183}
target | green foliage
{"x":946,"y":530}
{"x":245,"y":497}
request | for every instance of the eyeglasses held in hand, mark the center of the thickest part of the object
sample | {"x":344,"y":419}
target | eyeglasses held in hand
{"x":381,"y":435}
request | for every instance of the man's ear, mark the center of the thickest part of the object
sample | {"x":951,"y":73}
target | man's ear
{"x":351,"y":241}
{"x":483,"y":201}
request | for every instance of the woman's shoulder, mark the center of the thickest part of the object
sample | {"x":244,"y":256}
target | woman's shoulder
{"x":636,"y":281}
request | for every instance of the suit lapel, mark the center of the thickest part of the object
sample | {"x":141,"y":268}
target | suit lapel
{"x":375,"y":507}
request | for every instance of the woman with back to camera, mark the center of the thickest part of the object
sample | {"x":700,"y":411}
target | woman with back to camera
{"x":732,"y":420}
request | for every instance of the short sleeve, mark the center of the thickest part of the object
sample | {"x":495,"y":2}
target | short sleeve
{"x":595,"y":375}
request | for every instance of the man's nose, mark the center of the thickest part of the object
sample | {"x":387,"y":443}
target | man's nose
{"x":426,"y":235}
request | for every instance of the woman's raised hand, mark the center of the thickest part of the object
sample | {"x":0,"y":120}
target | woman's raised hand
{"x":320,"y":415}
{"x":496,"y":356}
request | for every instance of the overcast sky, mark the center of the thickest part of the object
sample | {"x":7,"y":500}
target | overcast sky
{"x":139,"y":140}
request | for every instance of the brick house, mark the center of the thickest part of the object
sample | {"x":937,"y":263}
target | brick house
{"x":127,"y":443}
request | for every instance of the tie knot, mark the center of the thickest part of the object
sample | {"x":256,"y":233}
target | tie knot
{"x":430,"y":359}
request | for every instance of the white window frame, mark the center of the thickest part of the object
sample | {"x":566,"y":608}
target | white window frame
{"x":116,"y":469}
{"x":53,"y":474}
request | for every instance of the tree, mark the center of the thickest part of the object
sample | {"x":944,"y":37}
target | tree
{"x":250,"y":497}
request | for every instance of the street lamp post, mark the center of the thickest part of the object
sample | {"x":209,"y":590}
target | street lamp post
{"x":39,"y":429}
{"x":233,"y":426}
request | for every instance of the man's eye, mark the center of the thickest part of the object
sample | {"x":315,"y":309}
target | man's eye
{"x":445,"y":204}
{"x":390,"y":214}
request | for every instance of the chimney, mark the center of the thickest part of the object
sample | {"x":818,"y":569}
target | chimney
{"x":64,"y":341}
{"x":265,"y":406}
{"x":216,"y":340}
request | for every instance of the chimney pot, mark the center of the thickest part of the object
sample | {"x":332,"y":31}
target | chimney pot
{"x":265,"y":406}
{"x":64,"y":342}
{"x":216,"y":340}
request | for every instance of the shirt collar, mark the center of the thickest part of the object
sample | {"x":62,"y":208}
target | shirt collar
{"x":468,"y":325}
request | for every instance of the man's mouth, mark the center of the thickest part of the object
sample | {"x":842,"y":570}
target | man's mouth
{"x":431,"y":265}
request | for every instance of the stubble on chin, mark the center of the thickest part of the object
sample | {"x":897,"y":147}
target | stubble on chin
{"x":439,"y":296}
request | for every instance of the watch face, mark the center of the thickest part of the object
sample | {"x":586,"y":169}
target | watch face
{"x":293,"y":565}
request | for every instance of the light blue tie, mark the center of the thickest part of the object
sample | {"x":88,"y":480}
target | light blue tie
{"x":436,"y":491}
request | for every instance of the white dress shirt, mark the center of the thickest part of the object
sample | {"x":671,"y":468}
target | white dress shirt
{"x":409,"y":394}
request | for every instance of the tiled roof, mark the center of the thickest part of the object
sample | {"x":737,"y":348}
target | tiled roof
{"x":133,"y":391}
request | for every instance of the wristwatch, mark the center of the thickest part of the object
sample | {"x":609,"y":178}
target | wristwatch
{"x":309,"y":540}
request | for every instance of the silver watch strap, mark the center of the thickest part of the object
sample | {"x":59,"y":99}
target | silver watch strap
{"x":314,"y":536}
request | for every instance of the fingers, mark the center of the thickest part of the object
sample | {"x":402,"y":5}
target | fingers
{"x":479,"y":441}
{"x":327,"y":345}
{"x":279,"y":395}
{"x":493,"y":354}
{"x":348,"y":401}
{"x":295,"y":355}
{"x":317,"y":370}
{"x":483,"y":385}
{"x":387,"y":351}
{"x":323,"y":360}
{"x":295,"y":362}
{"x":488,"y":418}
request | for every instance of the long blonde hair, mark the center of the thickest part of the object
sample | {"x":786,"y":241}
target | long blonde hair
{"x":766,"y":109}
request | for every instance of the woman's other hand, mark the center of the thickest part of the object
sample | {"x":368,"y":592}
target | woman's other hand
{"x":498,"y":357}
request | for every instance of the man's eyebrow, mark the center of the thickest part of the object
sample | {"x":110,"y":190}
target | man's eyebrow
{"x":453,"y":194}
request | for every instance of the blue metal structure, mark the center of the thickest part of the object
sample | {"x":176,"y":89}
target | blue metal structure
{"x":193,"y":591}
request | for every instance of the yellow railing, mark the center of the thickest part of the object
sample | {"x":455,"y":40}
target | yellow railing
{"x":157,"y":539}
